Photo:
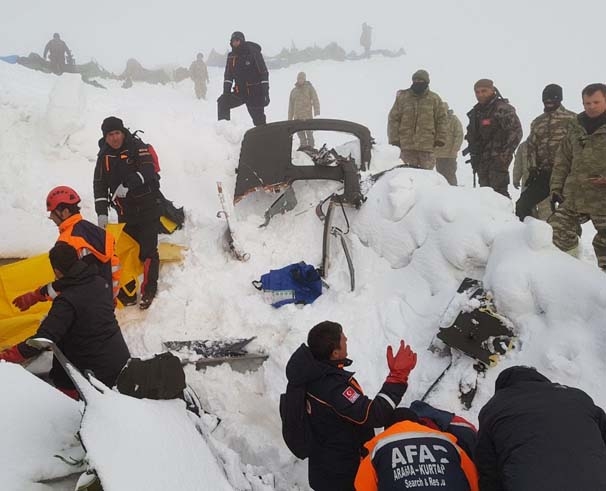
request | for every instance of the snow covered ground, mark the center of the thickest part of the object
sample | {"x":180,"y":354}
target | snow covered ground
{"x":413,"y":241}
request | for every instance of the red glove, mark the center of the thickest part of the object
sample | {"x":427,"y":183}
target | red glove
{"x":400,"y":365}
{"x":27,"y":300}
{"x":12,"y":355}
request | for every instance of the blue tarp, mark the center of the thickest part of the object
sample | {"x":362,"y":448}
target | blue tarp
{"x":12,"y":59}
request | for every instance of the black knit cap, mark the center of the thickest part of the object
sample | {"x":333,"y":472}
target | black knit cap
{"x":112,"y":124}
{"x":237,"y":35}
{"x":552,"y":92}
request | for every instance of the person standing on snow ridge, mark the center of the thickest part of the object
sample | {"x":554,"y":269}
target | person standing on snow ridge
{"x":304,"y":104}
{"x":366,"y":39}
{"x":198,"y":71}
{"x":493,"y":134}
{"x":535,"y":434}
{"x":93,"y":244}
{"x":247,"y":75}
{"x":578,"y":179}
{"x":126,"y":177}
{"x":546,"y":133}
{"x":417,"y":123}
{"x":81,"y":322}
{"x":56,"y":50}
{"x":425,"y":448}
{"x":342,"y":418}
{"x":446,"y":156}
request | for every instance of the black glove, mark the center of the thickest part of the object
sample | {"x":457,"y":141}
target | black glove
{"x":226,"y":87}
{"x":556,"y":200}
{"x":439,"y":143}
{"x":265,"y":87}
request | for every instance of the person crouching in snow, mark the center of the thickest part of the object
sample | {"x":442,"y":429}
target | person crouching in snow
{"x":81,"y":322}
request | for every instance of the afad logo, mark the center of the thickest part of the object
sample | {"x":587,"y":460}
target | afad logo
{"x":350,"y":394}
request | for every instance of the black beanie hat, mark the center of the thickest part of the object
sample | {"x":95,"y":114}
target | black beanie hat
{"x":552,"y":92}
{"x":237,"y":35}
{"x":112,"y":124}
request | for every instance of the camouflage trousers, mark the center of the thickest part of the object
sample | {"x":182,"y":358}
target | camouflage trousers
{"x":417,"y":159}
{"x":566,"y":225}
{"x":306,"y":138}
{"x":448,"y":168}
{"x":495,"y":177}
{"x":200,"y":88}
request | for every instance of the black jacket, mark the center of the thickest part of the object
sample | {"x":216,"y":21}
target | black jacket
{"x":535,"y":434}
{"x":133,"y":166}
{"x":342,"y":418}
{"x":81,"y":322}
{"x":246,"y":67}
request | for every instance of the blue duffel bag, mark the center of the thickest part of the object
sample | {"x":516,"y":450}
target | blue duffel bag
{"x":296,"y":283}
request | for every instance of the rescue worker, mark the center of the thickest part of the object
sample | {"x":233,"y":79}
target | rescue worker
{"x":304,"y":104}
{"x":342,"y":418}
{"x":546,"y":133}
{"x":578,"y":179}
{"x":126,"y":177}
{"x":81,"y":322}
{"x":535,"y":434}
{"x":56,"y":50}
{"x":426,"y":448}
{"x":198,"y":72}
{"x":417,"y":123}
{"x":246,"y":80}
{"x":366,"y":39}
{"x":446,"y":156}
{"x":93,"y":244}
{"x":493,"y":134}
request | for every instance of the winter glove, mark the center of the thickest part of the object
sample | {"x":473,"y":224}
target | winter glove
{"x":401,"y":364}
{"x":12,"y":355}
{"x":102,"y":221}
{"x":556,"y":200}
{"x":516,"y":185}
{"x":133,"y":180}
{"x":121,"y":191}
{"x":438,"y":143}
{"x":27,"y":300}
{"x":265,"y":87}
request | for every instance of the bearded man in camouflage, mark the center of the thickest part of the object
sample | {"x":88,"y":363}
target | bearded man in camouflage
{"x":417,"y":123}
{"x":578,"y":179}
{"x":546,"y":133}
{"x":493,"y":134}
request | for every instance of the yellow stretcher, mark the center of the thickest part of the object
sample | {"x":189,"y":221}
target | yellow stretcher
{"x":28,"y":274}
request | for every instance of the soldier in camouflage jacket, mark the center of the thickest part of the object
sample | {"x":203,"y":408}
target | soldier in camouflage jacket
{"x":578,"y":179}
{"x":493,"y":134}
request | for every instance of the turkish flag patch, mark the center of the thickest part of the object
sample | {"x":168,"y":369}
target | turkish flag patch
{"x":350,"y":394}
{"x":486,"y":122}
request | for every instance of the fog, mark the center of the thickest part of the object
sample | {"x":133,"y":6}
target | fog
{"x":522,"y":45}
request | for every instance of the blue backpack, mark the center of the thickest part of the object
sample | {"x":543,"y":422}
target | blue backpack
{"x":296,"y":283}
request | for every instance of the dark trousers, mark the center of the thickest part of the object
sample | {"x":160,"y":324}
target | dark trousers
{"x":448,"y":168}
{"x":146,"y":235}
{"x":537,"y":189}
{"x":227,"y":102}
{"x":495,"y":177}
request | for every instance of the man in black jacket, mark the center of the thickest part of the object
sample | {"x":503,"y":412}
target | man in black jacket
{"x":126,"y":177}
{"x":245,"y":70}
{"x":81,"y":322}
{"x":342,"y":418}
{"x":535,"y":434}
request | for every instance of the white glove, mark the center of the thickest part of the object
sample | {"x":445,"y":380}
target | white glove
{"x":121,"y":191}
{"x":102,"y":221}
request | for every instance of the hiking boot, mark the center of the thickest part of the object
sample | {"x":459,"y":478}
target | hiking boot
{"x":146,"y":301}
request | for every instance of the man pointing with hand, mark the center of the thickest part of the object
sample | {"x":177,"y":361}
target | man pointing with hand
{"x":342,"y":418}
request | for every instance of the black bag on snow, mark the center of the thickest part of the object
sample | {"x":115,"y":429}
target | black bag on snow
{"x":174,"y":214}
{"x":161,"y":377}
{"x":296,"y":427}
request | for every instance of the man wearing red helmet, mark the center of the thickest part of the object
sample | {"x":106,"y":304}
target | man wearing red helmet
{"x":93,"y":244}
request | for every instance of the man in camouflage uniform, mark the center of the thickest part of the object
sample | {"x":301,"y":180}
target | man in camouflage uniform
{"x":417,"y":123}
{"x":546,"y":133}
{"x":493,"y":134}
{"x":578,"y":179}
{"x":446,"y":156}
{"x":304,"y":104}
{"x":57,"y":50}
{"x":199,"y":74}
{"x":366,"y":39}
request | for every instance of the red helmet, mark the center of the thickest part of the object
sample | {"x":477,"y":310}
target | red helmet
{"x":61,"y":195}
